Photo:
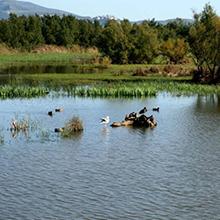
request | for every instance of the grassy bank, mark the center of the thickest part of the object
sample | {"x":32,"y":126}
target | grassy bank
{"x":83,"y":85}
{"x":87,"y":78}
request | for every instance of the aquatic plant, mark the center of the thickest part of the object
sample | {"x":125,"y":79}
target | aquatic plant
{"x":115,"y":90}
{"x":20,"y":125}
{"x":72,"y":127}
{"x":8,"y":91}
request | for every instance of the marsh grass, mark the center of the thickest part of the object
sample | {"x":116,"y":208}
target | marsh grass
{"x":141,"y":89}
{"x":114,"y":90}
{"x":8,"y":91}
{"x":72,"y":127}
{"x":94,"y":80}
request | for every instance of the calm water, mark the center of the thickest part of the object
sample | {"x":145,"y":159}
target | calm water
{"x":170,"y":172}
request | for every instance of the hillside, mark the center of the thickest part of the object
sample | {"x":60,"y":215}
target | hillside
{"x":28,"y":8}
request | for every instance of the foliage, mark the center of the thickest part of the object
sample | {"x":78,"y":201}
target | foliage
{"x":144,"y":44}
{"x":122,"y":41}
{"x":175,"y":49}
{"x":114,"y":43}
{"x":204,"y":42}
{"x":21,"y":91}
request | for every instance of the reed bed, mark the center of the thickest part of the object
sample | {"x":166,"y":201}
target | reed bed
{"x":8,"y":91}
{"x":141,"y":89}
{"x":115,"y":90}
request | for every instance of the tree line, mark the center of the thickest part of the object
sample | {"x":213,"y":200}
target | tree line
{"x":125,"y":42}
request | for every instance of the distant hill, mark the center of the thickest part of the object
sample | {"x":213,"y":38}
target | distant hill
{"x":28,"y":8}
{"x":186,"y":21}
{"x":165,"y":22}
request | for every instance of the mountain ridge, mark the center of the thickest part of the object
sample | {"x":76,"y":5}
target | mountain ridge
{"x":28,"y":8}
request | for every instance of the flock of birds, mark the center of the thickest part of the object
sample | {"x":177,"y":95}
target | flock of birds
{"x":106,"y":120}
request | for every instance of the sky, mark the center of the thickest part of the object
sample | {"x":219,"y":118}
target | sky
{"x":133,"y":10}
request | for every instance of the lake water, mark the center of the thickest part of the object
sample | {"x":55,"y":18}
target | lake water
{"x":170,"y":172}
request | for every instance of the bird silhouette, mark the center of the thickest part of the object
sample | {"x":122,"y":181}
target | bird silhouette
{"x":142,"y":111}
{"x":157,"y":109}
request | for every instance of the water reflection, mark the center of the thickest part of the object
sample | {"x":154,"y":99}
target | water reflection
{"x":42,"y":68}
{"x":105,"y":131}
{"x":209,"y":103}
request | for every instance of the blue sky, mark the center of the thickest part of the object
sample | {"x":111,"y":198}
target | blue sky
{"x":131,"y":9}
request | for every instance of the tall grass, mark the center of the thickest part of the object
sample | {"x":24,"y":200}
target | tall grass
{"x":21,"y":91}
{"x":114,"y":90}
{"x":141,"y":89}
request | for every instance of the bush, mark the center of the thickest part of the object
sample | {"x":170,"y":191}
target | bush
{"x":154,"y":69}
{"x":139,"y":72}
{"x":72,"y":127}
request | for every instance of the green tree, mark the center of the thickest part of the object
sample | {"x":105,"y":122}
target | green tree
{"x":113,"y":42}
{"x":16,"y":31}
{"x":204,"y":42}
{"x":174,"y":49}
{"x":144,"y":44}
{"x":33,"y":32}
{"x":51,"y":29}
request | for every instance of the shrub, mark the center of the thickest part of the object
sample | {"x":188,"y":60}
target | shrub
{"x":139,"y":72}
{"x":72,"y":127}
{"x":154,"y":69}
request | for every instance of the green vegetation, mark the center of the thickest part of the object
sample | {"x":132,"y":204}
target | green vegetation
{"x":114,"y":90}
{"x":120,"y":42}
{"x":21,"y":92}
{"x":56,"y":55}
{"x":142,"y":89}
{"x":204,"y":39}
{"x":106,"y":85}
{"x":66,"y":54}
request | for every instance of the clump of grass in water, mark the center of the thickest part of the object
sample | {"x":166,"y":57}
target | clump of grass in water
{"x":23,"y":124}
{"x":8,"y":91}
{"x":115,"y":90}
{"x":72,"y":127}
{"x":20,"y":125}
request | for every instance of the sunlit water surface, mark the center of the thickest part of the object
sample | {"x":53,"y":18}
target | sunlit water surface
{"x":170,"y":172}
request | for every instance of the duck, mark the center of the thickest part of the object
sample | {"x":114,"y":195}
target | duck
{"x":58,"y":130}
{"x":142,"y":111}
{"x":50,"y":113}
{"x":59,"y":110}
{"x":157,"y":109}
